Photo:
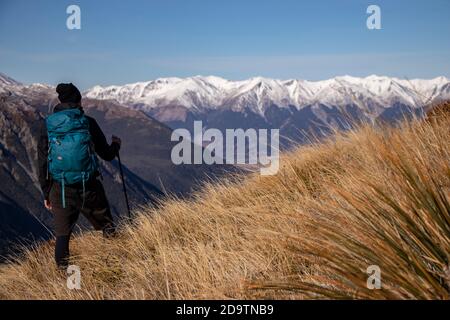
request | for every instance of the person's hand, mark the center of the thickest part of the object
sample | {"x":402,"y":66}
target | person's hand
{"x":116,"y":140}
{"x":47,"y":204}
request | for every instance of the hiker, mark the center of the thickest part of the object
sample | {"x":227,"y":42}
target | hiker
{"x":68,"y":169}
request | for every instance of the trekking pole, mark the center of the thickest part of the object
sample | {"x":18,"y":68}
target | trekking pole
{"x":43,"y":225}
{"x":123,"y":185}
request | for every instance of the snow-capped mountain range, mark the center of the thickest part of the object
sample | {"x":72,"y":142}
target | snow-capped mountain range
{"x":7,"y":81}
{"x":199,"y":94}
{"x":293,"y":106}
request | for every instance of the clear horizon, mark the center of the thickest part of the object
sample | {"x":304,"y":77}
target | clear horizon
{"x":122,"y":43}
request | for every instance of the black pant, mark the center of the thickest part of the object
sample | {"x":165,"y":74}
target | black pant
{"x":91,"y":202}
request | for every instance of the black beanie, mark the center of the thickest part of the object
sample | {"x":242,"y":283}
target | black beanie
{"x":67,"y":92}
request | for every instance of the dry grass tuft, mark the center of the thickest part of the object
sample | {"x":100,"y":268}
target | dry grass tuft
{"x":372,"y":196}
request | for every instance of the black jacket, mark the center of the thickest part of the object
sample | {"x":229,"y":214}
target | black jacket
{"x":102,"y":148}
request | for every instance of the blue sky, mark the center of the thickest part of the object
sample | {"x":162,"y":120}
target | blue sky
{"x":128,"y":41}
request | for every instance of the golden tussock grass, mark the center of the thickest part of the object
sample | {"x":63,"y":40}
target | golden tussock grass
{"x":370,"y":196}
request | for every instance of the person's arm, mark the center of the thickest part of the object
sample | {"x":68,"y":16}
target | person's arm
{"x":45,"y":180}
{"x":102,"y":148}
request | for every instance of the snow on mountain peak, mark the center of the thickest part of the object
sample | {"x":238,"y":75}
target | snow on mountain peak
{"x":8,"y":81}
{"x":259,"y":93}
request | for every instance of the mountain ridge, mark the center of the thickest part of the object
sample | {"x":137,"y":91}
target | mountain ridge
{"x":202,"y":93}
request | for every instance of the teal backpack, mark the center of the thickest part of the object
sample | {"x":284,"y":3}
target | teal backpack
{"x":71,"y":156}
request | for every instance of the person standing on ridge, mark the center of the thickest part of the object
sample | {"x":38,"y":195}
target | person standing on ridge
{"x":68,"y":146}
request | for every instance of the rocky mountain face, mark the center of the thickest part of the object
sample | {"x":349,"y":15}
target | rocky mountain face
{"x":296,"y":107}
{"x":145,"y":155}
{"x":21,"y":209}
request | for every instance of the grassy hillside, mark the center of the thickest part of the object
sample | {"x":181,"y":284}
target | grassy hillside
{"x":373,"y":196}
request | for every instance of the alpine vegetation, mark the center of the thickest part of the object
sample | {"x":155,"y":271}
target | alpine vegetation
{"x":364,"y":214}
